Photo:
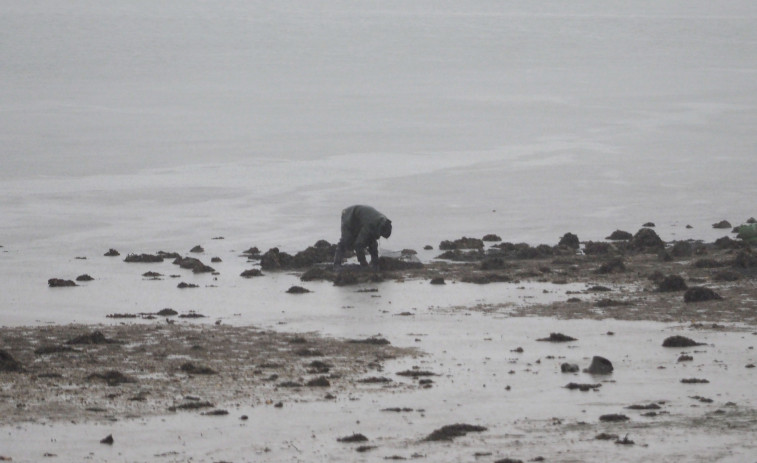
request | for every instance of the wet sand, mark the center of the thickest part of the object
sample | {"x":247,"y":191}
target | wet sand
{"x":395,"y":371}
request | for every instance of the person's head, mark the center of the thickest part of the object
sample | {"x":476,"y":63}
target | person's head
{"x":386,"y":228}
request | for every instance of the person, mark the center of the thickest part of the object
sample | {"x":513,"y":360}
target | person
{"x":362,"y":226}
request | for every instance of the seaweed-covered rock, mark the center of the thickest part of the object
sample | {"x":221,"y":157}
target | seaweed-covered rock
{"x":318,"y":273}
{"x":569,"y":240}
{"x":143,"y":258}
{"x":251,"y":273}
{"x":599,"y":366}
{"x":274,"y":259}
{"x":558,"y":337}
{"x":193,"y":264}
{"x":297,"y":290}
{"x":682,"y":249}
{"x":646,"y":240}
{"x":112,"y":253}
{"x":620,"y":235}
{"x":197,"y":249}
{"x":700,"y":294}
{"x":672,"y":283}
{"x":722,"y":224}
{"x":447,"y":433}
{"x":95,"y":337}
{"x":322,"y":251}
{"x":458,"y":255}
{"x":491,"y":237}
{"x":597,"y":248}
{"x":612,"y":266}
{"x":388,"y":264}
{"x":59,"y":283}
{"x":679,"y":341}
{"x":84,"y":277}
{"x":437,"y":281}
{"x":745,"y":259}
{"x":462,"y":243}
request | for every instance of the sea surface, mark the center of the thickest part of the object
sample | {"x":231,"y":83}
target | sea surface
{"x":144,"y":125}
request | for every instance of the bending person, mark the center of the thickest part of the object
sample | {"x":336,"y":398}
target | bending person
{"x":362,"y":226}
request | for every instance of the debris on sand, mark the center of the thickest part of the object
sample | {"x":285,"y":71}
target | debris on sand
{"x":251,"y":273}
{"x":416,"y":373}
{"x":599,"y":366}
{"x":685,"y":358}
{"x":375,"y":380}
{"x":297,"y":290}
{"x":111,"y":378}
{"x":606,"y":436}
{"x":449,"y":432}
{"x":558,"y":337}
{"x":192,"y":369}
{"x":60,"y":283}
{"x":625,"y":441}
{"x":84,"y":277}
{"x":356,"y":437}
{"x":143,"y":258}
{"x":700,"y":294}
{"x":112,"y":253}
{"x":108,"y":440}
{"x":680,"y":341}
{"x":95,"y":337}
{"x":613,"y":418}
{"x":8,"y":363}
{"x":672,"y":283}
{"x":375,"y":340}
{"x":582,"y":387}
{"x":191,"y":405}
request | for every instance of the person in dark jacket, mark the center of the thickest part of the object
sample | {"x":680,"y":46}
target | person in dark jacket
{"x":362,"y":226}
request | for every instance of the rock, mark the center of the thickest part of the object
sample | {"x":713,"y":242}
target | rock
{"x":217,"y":412}
{"x":375,"y":341}
{"x":582,"y":387}
{"x":491,"y":237}
{"x":356,"y":437}
{"x":428,"y":247}
{"x":646,"y":240}
{"x":167,"y":312}
{"x":744,"y":260}
{"x":321,"y":381}
{"x":318,"y":274}
{"x":143,"y":258}
{"x":620,"y":235}
{"x":95,"y":337}
{"x":215,"y":260}
{"x":449,"y":432}
{"x":682,"y":249}
{"x":389,"y":264}
{"x":184,"y":285}
{"x":297,"y":290}
{"x":511,"y":460}
{"x":593,"y":248}
{"x":694,"y":381}
{"x":569,"y":240}
{"x":612,"y":266}
{"x":107,"y":440}
{"x":558,"y":337}
{"x":197,"y":249}
{"x":59,"y":283}
{"x":112,"y":378}
{"x":569,"y":368}
{"x":437,"y":281}
{"x":599,"y":366}
{"x":274,"y":259}
{"x":112,"y":253}
{"x":251,"y":273}
{"x":685,"y":358}
{"x":613,"y":418}
{"x":8,"y":363}
{"x":458,"y":255}
{"x":606,"y":436}
{"x":84,"y":277}
{"x":196,"y":265}
{"x":649,"y":225}
{"x":672,"y":283}
{"x":192,"y":314}
{"x":462,"y":243}
{"x":680,"y":341}
{"x":700,"y":294}
{"x":192,"y":369}
{"x":153,"y":275}
{"x":722,"y":224}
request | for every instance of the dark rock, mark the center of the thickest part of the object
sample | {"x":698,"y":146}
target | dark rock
{"x":251,"y":273}
{"x":428,"y":247}
{"x":680,"y":341}
{"x":143,"y":258}
{"x":722,"y":224}
{"x":594,"y":248}
{"x":745,"y":260}
{"x":252,"y":253}
{"x":308,"y":353}
{"x":606,"y":436}
{"x":375,"y":380}
{"x":694,"y":381}
{"x":95,"y":337}
{"x":708,"y":263}
{"x":685,"y":358}
{"x":184,"y":285}
{"x":169,"y":255}
{"x":569,"y":240}
{"x":320,"y":381}
{"x":726,"y":275}
{"x":513,"y":460}
{"x":599,"y":366}
{"x":462,"y":243}
{"x":449,"y":432}
{"x":47,"y":350}
{"x":152,"y":275}
{"x":197,"y":249}
{"x":569,"y":368}
{"x":458,"y":255}
{"x":167,"y":312}
{"x":388,"y":264}
{"x":317,"y":366}
{"x":491,"y":237}
{"x":486,"y":278}
{"x":644,"y":407}
{"x":376,"y":341}
{"x":613,"y":418}
{"x":415,"y":373}
{"x":192,"y":369}
{"x":216,"y":260}
{"x":625,"y":441}
{"x":112,"y":253}
{"x":318,"y":273}
{"x":672,"y":283}
{"x":353,"y":438}
{"x":297,"y":290}
{"x":191,"y":314}
{"x":217,"y":412}
{"x":649,"y":224}
{"x":84,"y":277}
{"x":437,"y":281}
{"x":59,"y":283}
{"x":191,"y":405}
{"x":646,"y":240}
{"x":365,"y":448}
{"x":620,"y":235}
{"x":191,"y":263}
{"x":582,"y":387}
{"x":107,"y":440}
{"x":558,"y":337}
{"x":700,"y":294}
{"x":682,"y":249}
{"x":8,"y":363}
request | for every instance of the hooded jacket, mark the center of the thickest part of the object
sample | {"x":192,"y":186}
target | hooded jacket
{"x":361,"y":226}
